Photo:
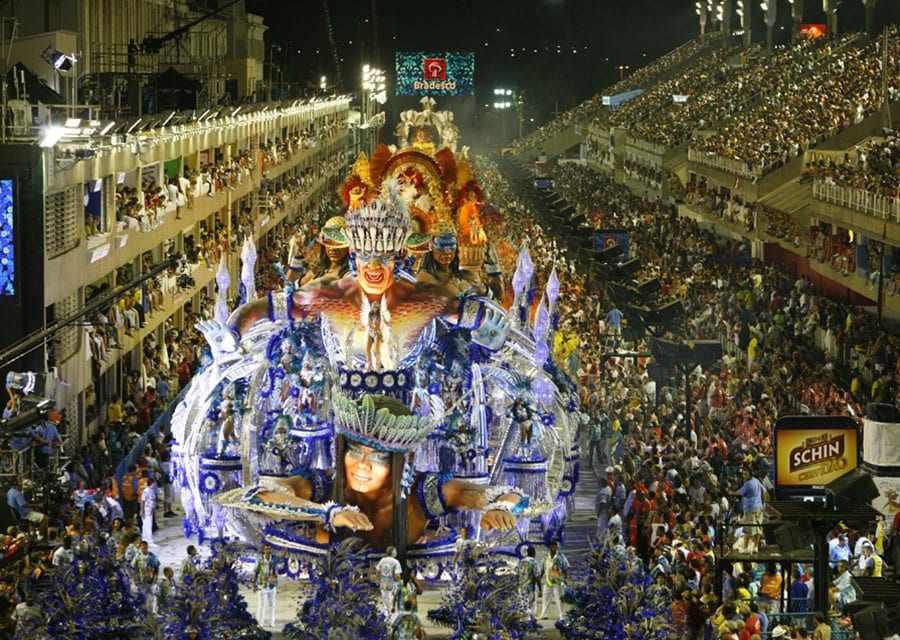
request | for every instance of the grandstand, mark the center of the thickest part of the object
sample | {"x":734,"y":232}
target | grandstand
{"x":787,"y":149}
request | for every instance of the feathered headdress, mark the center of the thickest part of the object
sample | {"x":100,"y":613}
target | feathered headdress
{"x":377,"y":426}
{"x":380,"y":226}
{"x":377,"y":162}
{"x":332,"y":233}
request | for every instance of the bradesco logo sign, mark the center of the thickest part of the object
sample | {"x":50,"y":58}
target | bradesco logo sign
{"x":434,"y":69}
{"x":435,"y":73}
{"x":434,"y":76}
{"x":811,"y":452}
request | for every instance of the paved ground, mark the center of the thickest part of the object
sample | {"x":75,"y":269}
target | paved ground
{"x":172,"y":550}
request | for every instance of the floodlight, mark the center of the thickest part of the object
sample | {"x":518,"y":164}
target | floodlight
{"x":51,"y":136}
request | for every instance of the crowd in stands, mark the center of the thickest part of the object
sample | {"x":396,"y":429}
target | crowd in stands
{"x":805,"y":108}
{"x":590,"y":107}
{"x":671,"y":479}
{"x":875,"y":168}
{"x":702,"y":75}
{"x":144,"y":207}
{"x":738,"y":84}
{"x":61,"y":526}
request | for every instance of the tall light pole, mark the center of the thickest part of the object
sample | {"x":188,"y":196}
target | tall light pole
{"x":744,"y":10}
{"x":797,"y":15}
{"x":830,"y":8}
{"x":504,"y":99}
{"x":373,"y":95}
{"x":272,"y":49}
{"x":770,"y":8}
{"x":520,"y":109}
{"x":870,"y":9}
{"x":701,"y":14}
{"x":622,"y":69}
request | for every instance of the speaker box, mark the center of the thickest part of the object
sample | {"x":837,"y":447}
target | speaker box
{"x":706,"y":352}
{"x":852,"y":489}
{"x":882,"y":412}
{"x":791,"y":537}
{"x":876,"y":622}
{"x":649,"y":287}
{"x":609,"y":254}
{"x":626,"y":269}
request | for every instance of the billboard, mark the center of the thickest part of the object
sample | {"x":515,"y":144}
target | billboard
{"x":607,"y":238}
{"x":811,"y":451}
{"x":7,"y":239}
{"x":435,"y":73}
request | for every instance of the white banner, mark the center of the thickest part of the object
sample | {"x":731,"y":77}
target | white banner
{"x":881,"y":444}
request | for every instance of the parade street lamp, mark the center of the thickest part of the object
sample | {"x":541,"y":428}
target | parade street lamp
{"x":622,"y":69}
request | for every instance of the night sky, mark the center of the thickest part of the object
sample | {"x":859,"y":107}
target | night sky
{"x":565,"y":50}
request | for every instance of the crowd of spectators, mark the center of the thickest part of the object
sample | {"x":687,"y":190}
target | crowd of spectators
{"x":702,"y":75}
{"x":72,"y":509}
{"x":144,"y":207}
{"x":807,"y":107}
{"x":671,"y":478}
{"x":646,"y":75}
{"x":875,"y":168}
{"x":737,"y":85}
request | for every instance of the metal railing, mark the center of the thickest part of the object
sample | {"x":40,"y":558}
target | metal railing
{"x":862,"y":200}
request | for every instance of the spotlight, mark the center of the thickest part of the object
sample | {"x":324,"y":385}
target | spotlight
{"x":57,"y":59}
{"x":51,"y":136}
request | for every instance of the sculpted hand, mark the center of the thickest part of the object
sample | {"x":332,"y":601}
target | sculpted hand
{"x":352,"y":520}
{"x":494,"y":327}
{"x":498,"y":519}
{"x":222,"y":339}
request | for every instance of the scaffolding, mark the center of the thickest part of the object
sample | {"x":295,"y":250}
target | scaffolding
{"x":124,"y":79}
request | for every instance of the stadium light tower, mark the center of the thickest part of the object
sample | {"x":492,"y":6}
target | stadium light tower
{"x":797,"y":15}
{"x":870,"y":9}
{"x":744,"y":10}
{"x":702,"y":15}
{"x":770,"y":9}
{"x":830,"y":8}
{"x":504,"y":99}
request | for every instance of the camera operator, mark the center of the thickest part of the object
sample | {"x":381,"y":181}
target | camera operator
{"x":22,"y":509}
{"x":47,"y":437}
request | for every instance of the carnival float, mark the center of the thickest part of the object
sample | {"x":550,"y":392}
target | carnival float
{"x":399,"y":393}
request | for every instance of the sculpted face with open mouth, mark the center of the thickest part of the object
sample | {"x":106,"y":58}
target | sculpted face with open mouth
{"x":375,"y":273}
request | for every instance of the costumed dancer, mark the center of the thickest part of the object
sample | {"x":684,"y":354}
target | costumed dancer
{"x":265,"y":584}
{"x":388,"y":571}
{"x":529,"y":578}
{"x":555,"y":571}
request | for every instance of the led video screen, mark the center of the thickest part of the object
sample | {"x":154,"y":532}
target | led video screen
{"x":435,"y":73}
{"x":7,"y":239}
